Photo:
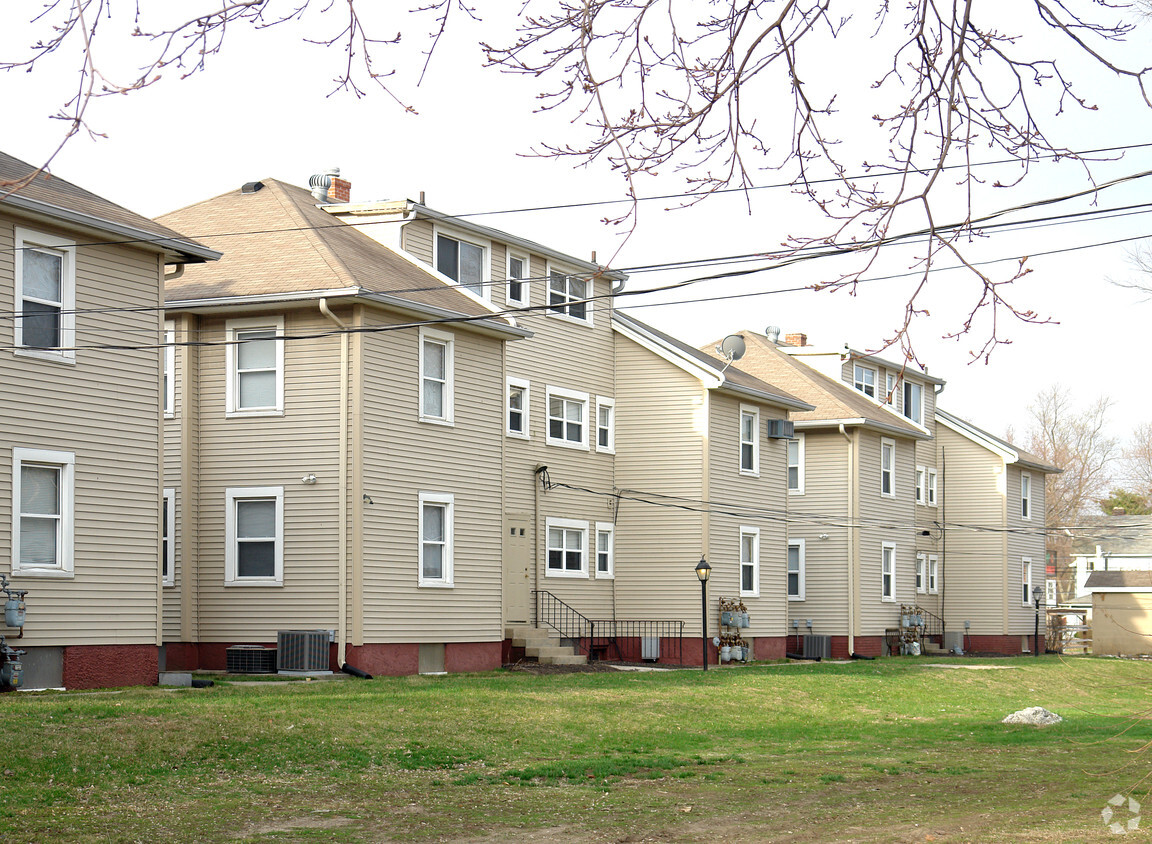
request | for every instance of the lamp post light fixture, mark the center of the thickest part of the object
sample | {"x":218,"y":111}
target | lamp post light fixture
{"x":1037,"y":594}
{"x":703,"y":570}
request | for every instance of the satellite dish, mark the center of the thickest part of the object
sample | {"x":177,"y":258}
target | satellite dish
{"x":732,"y":347}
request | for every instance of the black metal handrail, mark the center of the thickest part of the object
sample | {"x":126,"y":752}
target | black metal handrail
{"x":600,"y":638}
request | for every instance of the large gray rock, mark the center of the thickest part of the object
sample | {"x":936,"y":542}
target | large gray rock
{"x":1033,"y":716}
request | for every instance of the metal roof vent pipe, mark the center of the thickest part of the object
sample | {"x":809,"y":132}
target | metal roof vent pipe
{"x":329,"y":187}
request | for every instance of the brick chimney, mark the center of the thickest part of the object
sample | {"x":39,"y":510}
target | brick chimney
{"x":340,"y":190}
{"x":329,"y":187}
{"x":796,"y":339}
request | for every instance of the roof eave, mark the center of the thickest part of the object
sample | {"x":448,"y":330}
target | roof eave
{"x":760,"y":395}
{"x":179,"y":251}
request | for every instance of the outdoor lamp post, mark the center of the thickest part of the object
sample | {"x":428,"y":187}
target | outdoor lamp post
{"x":1037,"y":594}
{"x":703,"y":570}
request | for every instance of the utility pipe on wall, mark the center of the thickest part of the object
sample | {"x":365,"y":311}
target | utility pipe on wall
{"x":851,"y":540}
{"x":342,"y":576}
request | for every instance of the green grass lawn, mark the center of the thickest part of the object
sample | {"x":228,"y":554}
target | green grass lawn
{"x":890,"y":750}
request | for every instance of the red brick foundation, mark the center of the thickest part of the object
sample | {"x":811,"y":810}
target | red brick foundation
{"x":863,"y":645}
{"x":998,"y":644}
{"x":765,"y":647}
{"x":181,"y":656}
{"x":472,"y":656}
{"x":390,"y":660}
{"x":100,"y":666}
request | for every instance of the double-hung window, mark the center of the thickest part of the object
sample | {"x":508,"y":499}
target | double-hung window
{"x":914,"y":401}
{"x":1025,"y":496}
{"x":43,"y":484}
{"x":864,"y":380}
{"x":795,"y":449}
{"x":605,"y":425}
{"x":1026,"y":581}
{"x":519,"y":401}
{"x":888,"y":467}
{"x":567,"y":548}
{"x":888,"y":571}
{"x":921,"y":572}
{"x":167,"y":538}
{"x":517,"y":279}
{"x":749,"y":561}
{"x":931,"y":499}
{"x":254,"y":536}
{"x":45,"y":324}
{"x":796,"y":570}
{"x":435,"y":539}
{"x":890,"y":388}
{"x":255,"y":367}
{"x":605,"y":553}
{"x":436,"y":376}
{"x":568,"y":295}
{"x":463,"y":262}
{"x":749,"y":441}
{"x":921,"y":485}
{"x":169,"y":369}
{"x":933,"y":563}
{"x":567,"y":418}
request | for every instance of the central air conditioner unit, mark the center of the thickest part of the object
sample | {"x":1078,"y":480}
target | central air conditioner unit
{"x":820,"y":646}
{"x":250,"y":659}
{"x":781,"y":429}
{"x":650,"y":648}
{"x":302,"y":650}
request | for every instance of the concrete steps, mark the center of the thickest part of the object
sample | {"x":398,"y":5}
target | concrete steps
{"x":543,"y":645}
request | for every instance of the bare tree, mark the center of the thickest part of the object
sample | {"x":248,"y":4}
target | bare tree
{"x":720,"y":92}
{"x":1138,"y":460}
{"x":1076,"y":441}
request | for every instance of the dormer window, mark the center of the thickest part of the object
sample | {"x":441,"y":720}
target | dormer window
{"x":463,"y":262}
{"x":864,"y":380}
{"x":914,"y":402}
{"x":567,"y":296}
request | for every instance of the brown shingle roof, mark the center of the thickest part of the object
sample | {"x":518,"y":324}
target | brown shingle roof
{"x":70,"y":204}
{"x":276,"y":241}
{"x":834,"y":400}
{"x":1119,"y":580}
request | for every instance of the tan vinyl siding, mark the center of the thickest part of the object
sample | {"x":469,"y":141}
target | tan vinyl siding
{"x":661,"y":431}
{"x":765,"y":497}
{"x":104,"y":408}
{"x":417,"y":240}
{"x":1025,"y":538}
{"x":272,"y":451}
{"x":885,"y":519}
{"x":173,"y":446}
{"x":404,"y":457}
{"x":972,"y":484}
{"x":823,"y":510}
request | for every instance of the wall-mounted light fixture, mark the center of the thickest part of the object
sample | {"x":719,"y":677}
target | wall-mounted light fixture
{"x":308,"y":479}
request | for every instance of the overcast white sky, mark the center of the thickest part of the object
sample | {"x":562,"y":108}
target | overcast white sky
{"x":261,"y":110}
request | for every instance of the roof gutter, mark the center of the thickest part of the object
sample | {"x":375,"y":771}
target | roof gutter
{"x":181,"y":251}
{"x":861,"y":422}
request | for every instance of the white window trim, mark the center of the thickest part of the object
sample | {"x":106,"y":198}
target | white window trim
{"x":169,"y":504}
{"x":921,"y":573}
{"x":448,"y":341}
{"x":799,"y":439}
{"x":569,"y":395}
{"x":567,"y":524}
{"x":448,"y":500}
{"x":892,"y":385}
{"x":170,"y":368}
{"x":231,"y":496}
{"x":1026,"y":499}
{"x":754,"y":412}
{"x":754,"y":532}
{"x":588,"y":300}
{"x":933,"y":572}
{"x":65,"y":461}
{"x":610,"y":529}
{"x":858,"y":384}
{"x":602,"y":401}
{"x":885,"y":442}
{"x":231,"y":328}
{"x":524,"y":284}
{"x":931,"y":487}
{"x":28,"y":238}
{"x":921,"y":485}
{"x":485,"y":294}
{"x":903,"y":408}
{"x":1026,"y":580}
{"x":526,"y":386}
{"x":885,"y":547}
{"x":802,"y":587}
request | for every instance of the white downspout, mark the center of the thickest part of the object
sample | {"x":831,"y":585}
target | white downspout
{"x":851,"y":542}
{"x":342,"y":577}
